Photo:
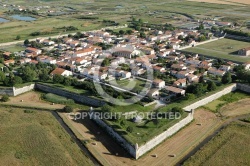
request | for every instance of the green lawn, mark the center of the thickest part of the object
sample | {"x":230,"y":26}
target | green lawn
{"x":13,"y":48}
{"x":144,"y":131}
{"x":214,"y":104}
{"x":129,"y":84}
{"x":31,"y":137}
{"x":223,"y":48}
{"x":230,"y":147}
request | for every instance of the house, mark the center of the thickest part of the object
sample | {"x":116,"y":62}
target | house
{"x":192,"y":78}
{"x":178,"y":67}
{"x":96,"y":75}
{"x":33,"y":50}
{"x":224,"y":68}
{"x":223,"y":23}
{"x":153,"y":93}
{"x":62,"y":72}
{"x":158,"y":83}
{"x":180,"y":83}
{"x":175,"y":91}
{"x":84,"y":52}
{"x":147,"y":51}
{"x":48,"y":42}
{"x":8,"y":62}
{"x":182,"y":74}
{"x":136,"y":71}
{"x":215,"y":71}
{"x":244,"y":52}
{"x":247,"y":65}
{"x":190,"y":61}
{"x":159,"y":68}
{"x":46,"y":59}
{"x":6,"y":55}
{"x":125,"y":74}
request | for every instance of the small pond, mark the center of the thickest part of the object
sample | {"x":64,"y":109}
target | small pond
{"x":3,"y":20}
{"x":23,"y":18}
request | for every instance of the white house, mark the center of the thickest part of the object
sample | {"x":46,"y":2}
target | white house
{"x":62,"y":72}
{"x":158,"y":83}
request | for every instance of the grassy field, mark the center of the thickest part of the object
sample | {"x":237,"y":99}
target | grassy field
{"x":217,"y":104}
{"x":129,"y":84}
{"x":30,"y":137}
{"x":229,"y":147}
{"x":223,"y":48}
{"x":229,"y":2}
{"x":170,"y":11}
{"x":13,"y":48}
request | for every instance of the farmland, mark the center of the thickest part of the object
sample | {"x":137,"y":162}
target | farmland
{"x":230,"y":147}
{"x":171,"y":11}
{"x":231,"y":2}
{"x":223,"y":48}
{"x":31,"y":137}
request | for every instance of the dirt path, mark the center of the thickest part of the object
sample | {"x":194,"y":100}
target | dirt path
{"x":110,"y":153}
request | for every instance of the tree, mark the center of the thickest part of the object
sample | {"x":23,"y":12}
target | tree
{"x":121,"y":32}
{"x":2,"y":76}
{"x":177,"y":109}
{"x":190,"y":96}
{"x":142,"y":35}
{"x":58,"y":79}
{"x":67,"y":82}
{"x":5,"y":98}
{"x":26,"y":42}
{"x":28,"y":74}
{"x":180,"y":37}
{"x":106,"y":62}
{"x":68,"y":109}
{"x":211,"y":86}
{"x":201,"y":79}
{"x":130,"y":129}
{"x":201,"y":38}
{"x":17,"y":80}
{"x":43,"y":77}
{"x":18,"y":37}
{"x":227,"y":78}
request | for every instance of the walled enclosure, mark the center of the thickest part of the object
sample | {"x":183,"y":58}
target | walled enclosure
{"x":12,"y":91}
{"x":134,"y":150}
{"x":137,"y":151}
{"x":77,"y":97}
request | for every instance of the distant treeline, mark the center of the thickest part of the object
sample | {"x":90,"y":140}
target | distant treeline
{"x":88,"y":17}
{"x":237,"y":33}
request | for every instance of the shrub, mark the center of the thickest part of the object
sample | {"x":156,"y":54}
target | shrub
{"x":68,"y":109}
{"x":5,"y":98}
{"x":130,"y":129}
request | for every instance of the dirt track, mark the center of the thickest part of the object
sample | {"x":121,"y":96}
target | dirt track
{"x":110,"y":153}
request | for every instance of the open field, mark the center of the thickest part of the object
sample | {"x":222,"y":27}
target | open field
{"x":223,"y":103}
{"x":223,"y":48}
{"x":31,"y":137}
{"x":32,"y":99}
{"x":180,"y":144}
{"x":170,"y":11}
{"x":229,"y":147}
{"x":229,"y":2}
{"x":236,"y":108}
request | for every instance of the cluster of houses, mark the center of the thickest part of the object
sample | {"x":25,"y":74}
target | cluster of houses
{"x":85,"y":58}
